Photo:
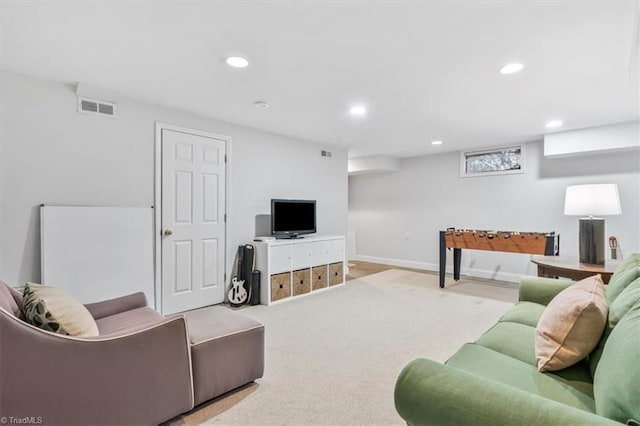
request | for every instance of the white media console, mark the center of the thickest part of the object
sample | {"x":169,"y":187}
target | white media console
{"x":296,"y":267}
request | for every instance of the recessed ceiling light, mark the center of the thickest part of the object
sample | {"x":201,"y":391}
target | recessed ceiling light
{"x":553,"y":123}
{"x":358,"y":110}
{"x":261,"y":105}
{"x":237,"y":62}
{"x":511,"y":68}
{"x":436,"y":142}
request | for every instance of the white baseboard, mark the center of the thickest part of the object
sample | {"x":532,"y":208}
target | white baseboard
{"x":398,"y":262}
{"x":425,"y":266}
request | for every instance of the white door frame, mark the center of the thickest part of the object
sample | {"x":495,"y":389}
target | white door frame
{"x":157,"y":200}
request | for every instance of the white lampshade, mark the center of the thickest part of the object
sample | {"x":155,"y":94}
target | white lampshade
{"x":592,"y":200}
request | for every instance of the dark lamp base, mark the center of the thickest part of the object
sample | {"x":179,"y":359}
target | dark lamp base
{"x":591,"y":236}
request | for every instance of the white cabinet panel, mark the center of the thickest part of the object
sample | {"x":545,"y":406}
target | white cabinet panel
{"x":336,"y":250}
{"x":280,"y":258}
{"x":301,"y":255}
{"x":320,"y":253}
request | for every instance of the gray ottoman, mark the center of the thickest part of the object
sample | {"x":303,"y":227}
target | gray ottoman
{"x":227,"y":351}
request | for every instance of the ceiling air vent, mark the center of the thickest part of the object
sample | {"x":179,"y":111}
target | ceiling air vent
{"x":90,"y":106}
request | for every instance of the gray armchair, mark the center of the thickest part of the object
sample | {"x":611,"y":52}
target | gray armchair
{"x":137,"y":371}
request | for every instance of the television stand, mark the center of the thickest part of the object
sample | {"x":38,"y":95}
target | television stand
{"x":292,"y":268}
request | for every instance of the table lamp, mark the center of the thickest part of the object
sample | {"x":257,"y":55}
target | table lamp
{"x":592,"y":200}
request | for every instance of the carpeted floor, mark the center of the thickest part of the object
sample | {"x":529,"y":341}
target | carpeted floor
{"x":333,"y":357}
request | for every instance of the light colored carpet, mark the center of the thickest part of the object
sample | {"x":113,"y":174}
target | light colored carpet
{"x":333,"y":357}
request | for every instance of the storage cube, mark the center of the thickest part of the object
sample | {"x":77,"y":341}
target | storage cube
{"x":280,"y":286}
{"x":319,"y":277}
{"x":301,"y":281}
{"x":336,"y":275}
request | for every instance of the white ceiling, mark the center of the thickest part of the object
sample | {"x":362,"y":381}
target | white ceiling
{"x":426,"y":70}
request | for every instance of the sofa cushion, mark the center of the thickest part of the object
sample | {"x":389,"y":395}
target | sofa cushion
{"x":512,"y":339}
{"x":130,"y":320}
{"x":487,"y":363}
{"x":623,"y":303}
{"x":625,"y":274}
{"x":518,"y":341}
{"x":571,"y":325}
{"x":54,"y":310}
{"x":527,"y":313}
{"x":622,"y":278}
{"x":216,"y":322}
{"x":617,"y":376}
{"x":10,"y":299}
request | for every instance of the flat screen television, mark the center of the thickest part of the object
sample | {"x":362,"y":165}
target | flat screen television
{"x":290,"y":218}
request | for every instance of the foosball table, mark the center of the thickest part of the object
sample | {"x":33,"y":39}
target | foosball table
{"x":545,"y":243}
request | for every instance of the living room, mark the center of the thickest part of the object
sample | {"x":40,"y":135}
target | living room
{"x":370,"y":109}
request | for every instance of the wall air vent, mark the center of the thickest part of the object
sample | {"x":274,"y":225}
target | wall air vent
{"x":90,"y":106}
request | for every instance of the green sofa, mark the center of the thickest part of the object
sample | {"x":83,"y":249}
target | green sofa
{"x":494,"y":381}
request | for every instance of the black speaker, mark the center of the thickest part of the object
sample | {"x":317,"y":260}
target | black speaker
{"x":246,"y":266}
{"x":255,"y":288}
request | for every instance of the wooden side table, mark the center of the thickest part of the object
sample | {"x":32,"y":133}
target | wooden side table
{"x":570,"y":267}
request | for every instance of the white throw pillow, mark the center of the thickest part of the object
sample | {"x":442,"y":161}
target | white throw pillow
{"x":571,"y":325}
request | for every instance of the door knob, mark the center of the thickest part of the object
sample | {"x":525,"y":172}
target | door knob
{"x":168,"y":232}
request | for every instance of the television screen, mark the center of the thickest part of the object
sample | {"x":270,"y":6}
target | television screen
{"x":293,"y":217}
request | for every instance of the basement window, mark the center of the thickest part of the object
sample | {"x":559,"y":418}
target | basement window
{"x":490,"y":162}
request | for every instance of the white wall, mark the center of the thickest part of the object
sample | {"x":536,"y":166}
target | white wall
{"x":49,"y":153}
{"x":396,"y":216}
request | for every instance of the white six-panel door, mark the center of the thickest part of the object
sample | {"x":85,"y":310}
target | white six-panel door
{"x":193,"y":221}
